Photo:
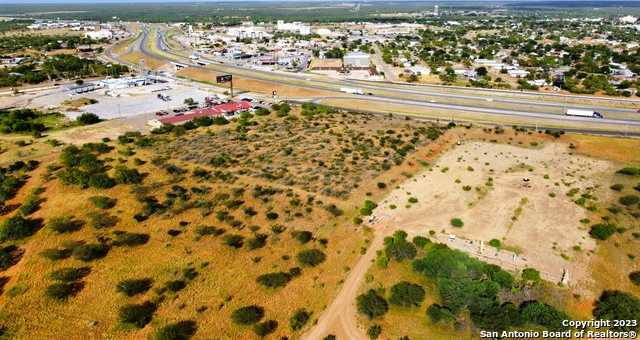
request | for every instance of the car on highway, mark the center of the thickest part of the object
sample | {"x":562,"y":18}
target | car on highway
{"x":162,"y":113}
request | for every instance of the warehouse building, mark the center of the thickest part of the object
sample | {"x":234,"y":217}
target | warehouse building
{"x":357,"y":60}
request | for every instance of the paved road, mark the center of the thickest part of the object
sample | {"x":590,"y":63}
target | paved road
{"x":398,"y":94}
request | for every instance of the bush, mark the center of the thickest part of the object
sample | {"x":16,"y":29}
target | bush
{"x":374,"y":332}
{"x":629,"y":171}
{"x":63,"y":291}
{"x":234,"y":241}
{"x":88,"y":118}
{"x":311,"y":257}
{"x":64,"y":224}
{"x":90,"y":252}
{"x":138,"y":315}
{"x":372,"y":305}
{"x":495,"y":243}
{"x":124,"y":175}
{"x":208,"y":230}
{"x":617,"y":305}
{"x":55,"y":254}
{"x":17,"y":228}
{"x":274,"y":280}
{"x":257,"y":242}
{"x":261,"y":111}
{"x":629,"y":200}
{"x":247,"y":315}
{"x":368,"y":207}
{"x":130,"y":239}
{"x":265,"y":328}
{"x":530,"y":274}
{"x":175,"y":285}
{"x":617,"y":187}
{"x":101,"y":220}
{"x":456,"y":222}
{"x":70,"y":274}
{"x":635,"y":278}
{"x":602,"y":231}
{"x":181,"y":330}
{"x":302,"y":236}
{"x":439,"y":313}
{"x":299,"y":319}
{"x":420,"y":241}
{"x":134,"y":287}
{"x":398,"y":248}
{"x":30,"y":205}
{"x":406,"y":294}
{"x":272,"y":215}
{"x":9,"y":256}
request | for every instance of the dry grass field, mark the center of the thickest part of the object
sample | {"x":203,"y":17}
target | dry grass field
{"x":549,"y":221}
{"x":259,"y":221}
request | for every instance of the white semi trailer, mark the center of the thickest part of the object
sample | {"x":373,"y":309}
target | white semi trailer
{"x":351,"y":90}
{"x":583,"y":113}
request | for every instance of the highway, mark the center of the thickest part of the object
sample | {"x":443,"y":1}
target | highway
{"x":502,"y":103}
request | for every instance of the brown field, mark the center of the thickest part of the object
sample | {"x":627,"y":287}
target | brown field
{"x":226,"y":276}
{"x":551,"y":233}
{"x":251,"y":85}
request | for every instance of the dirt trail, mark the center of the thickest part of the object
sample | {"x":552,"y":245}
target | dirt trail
{"x":339,"y":318}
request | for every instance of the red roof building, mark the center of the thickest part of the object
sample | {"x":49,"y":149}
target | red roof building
{"x":216,"y":110}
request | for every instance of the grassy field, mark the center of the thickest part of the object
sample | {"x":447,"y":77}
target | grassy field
{"x":236,"y":196}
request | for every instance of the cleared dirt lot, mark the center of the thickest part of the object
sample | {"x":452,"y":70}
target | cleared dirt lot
{"x":482,"y":184}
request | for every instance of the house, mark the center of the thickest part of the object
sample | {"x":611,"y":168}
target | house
{"x":99,"y":35}
{"x":517,"y":73}
{"x":226,"y":109}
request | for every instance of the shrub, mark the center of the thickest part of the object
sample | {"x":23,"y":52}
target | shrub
{"x":247,"y":315}
{"x":17,"y":228}
{"x":302,"y":236}
{"x":30,"y":205}
{"x":70,"y":274}
{"x":368,"y":207}
{"x":413,"y":200}
{"x":256,"y":242}
{"x":495,"y":243}
{"x":629,"y":200}
{"x":209,"y":230}
{"x":55,"y":254}
{"x":617,"y":187}
{"x":90,"y":252}
{"x":602,"y":231}
{"x":629,"y":171}
{"x":261,"y":111}
{"x":274,"y":280}
{"x":617,"y":305}
{"x":456,"y":222}
{"x":63,"y":291}
{"x":137,"y":315}
{"x":9,"y":256}
{"x":439,"y":313}
{"x":134,"y":287}
{"x":406,"y":294}
{"x":311,"y":257}
{"x":124,"y":175}
{"x":265,"y":328}
{"x":398,"y":248}
{"x":299,"y":319}
{"x":234,"y":241}
{"x":530,"y":274}
{"x":374,"y":332}
{"x":101,"y":220}
{"x":64,"y":224}
{"x":88,"y":118}
{"x":175,"y":285}
{"x":181,"y":330}
{"x":420,"y":241}
{"x":272,"y":215}
{"x":372,"y":305}
{"x":130,"y":239}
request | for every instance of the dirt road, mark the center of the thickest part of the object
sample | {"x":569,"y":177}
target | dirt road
{"x":339,"y":318}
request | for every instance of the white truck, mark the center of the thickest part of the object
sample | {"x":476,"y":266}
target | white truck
{"x":583,"y":113}
{"x":351,"y":90}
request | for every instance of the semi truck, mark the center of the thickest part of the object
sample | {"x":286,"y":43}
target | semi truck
{"x":583,"y":113}
{"x":351,"y":90}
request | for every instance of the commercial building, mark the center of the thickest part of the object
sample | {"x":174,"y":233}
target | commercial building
{"x":226,"y":109}
{"x":357,"y":60}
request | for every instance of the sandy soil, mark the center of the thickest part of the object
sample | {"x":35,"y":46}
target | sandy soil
{"x":527,"y":220}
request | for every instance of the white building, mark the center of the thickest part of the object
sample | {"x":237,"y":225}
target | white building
{"x":628,"y":19}
{"x":294,"y":27}
{"x":101,"y":34}
{"x":357,"y":60}
{"x":518,"y":73}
